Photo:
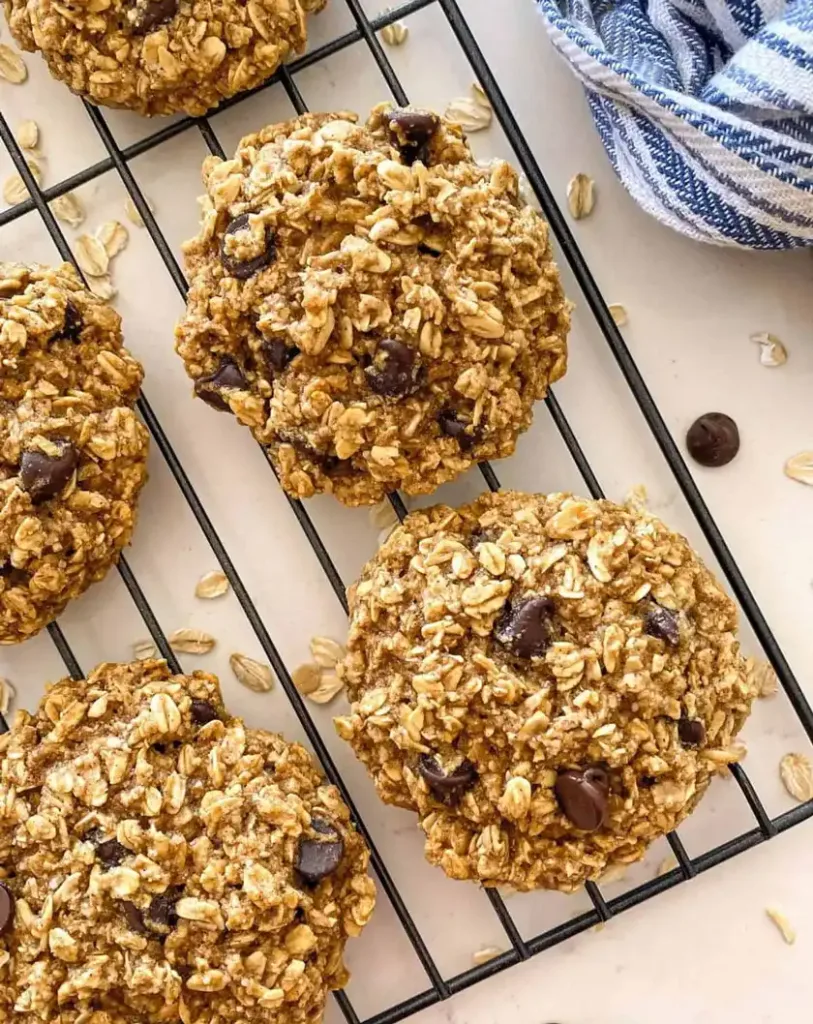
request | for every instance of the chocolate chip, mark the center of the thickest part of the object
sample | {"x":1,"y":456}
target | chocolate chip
{"x":72,"y":324}
{"x":582,"y":795}
{"x":133,"y":917}
{"x":243,"y":270}
{"x":278,"y":355}
{"x":6,"y":908}
{"x":44,"y":476}
{"x":524,"y":626}
{"x":161,"y":910}
{"x":318,"y":858}
{"x":692,"y":732}
{"x":713,"y":439}
{"x":227,"y":377}
{"x":203,"y":712}
{"x":111,"y":853}
{"x":393,"y":371}
{"x":146,"y":15}
{"x":453,"y":426}
{"x":447,"y":785}
{"x":412,"y":131}
{"x":662,"y":624}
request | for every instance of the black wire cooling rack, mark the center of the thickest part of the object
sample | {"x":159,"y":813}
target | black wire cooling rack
{"x":118,"y":159}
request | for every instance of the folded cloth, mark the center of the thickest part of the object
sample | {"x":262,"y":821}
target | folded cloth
{"x":705,"y":108}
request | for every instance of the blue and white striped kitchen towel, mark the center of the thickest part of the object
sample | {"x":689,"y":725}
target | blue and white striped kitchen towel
{"x":705,"y":108}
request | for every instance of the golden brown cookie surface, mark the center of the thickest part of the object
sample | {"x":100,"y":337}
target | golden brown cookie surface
{"x":165,"y":863}
{"x":380,"y":309}
{"x":550,"y":682}
{"x":72,"y":452}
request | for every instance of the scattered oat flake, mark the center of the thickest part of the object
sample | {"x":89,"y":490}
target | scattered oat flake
{"x":12,"y":65}
{"x":14,"y":190}
{"x":383,"y":515}
{"x":637,"y":496}
{"x":482,"y":956}
{"x":8,"y":695}
{"x":191,"y":641}
{"x":143,"y":650}
{"x":212,"y":584}
{"x":28,"y":134}
{"x":618,"y":313}
{"x":471,"y":116}
{"x":329,"y":685}
{"x":782,"y":923}
{"x":326,"y":652}
{"x":102,"y":288}
{"x":395,"y":34}
{"x":581,"y":196}
{"x":771,"y":350}
{"x":800,"y":467}
{"x":765,"y":677}
{"x":796,"y":773}
{"x":91,"y":256}
{"x":114,"y":237}
{"x":253,"y":674}
{"x":307,"y":678}
{"x":666,"y":865}
{"x":480,"y":97}
{"x":133,"y":215}
{"x":69,"y":209}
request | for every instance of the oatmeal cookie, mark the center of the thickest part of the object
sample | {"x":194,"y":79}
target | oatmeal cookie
{"x":381,"y":310}
{"x":161,"y":56}
{"x":161,"y":862}
{"x":72,"y":453}
{"x":550,"y":682}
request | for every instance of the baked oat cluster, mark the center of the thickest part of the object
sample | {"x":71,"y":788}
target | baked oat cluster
{"x":550,"y":682}
{"x":72,"y":453}
{"x":161,"y":56}
{"x":381,"y":310}
{"x":160,"y":862}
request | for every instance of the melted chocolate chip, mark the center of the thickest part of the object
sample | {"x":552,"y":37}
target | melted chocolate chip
{"x":278,"y":355}
{"x":6,"y":908}
{"x":227,"y":377}
{"x":44,"y":476}
{"x":713,"y":439}
{"x":203,"y":712}
{"x":146,"y":15}
{"x":111,"y":853}
{"x":72,"y":324}
{"x":133,"y":917}
{"x":662,"y":624}
{"x":412,"y":131}
{"x":582,"y":795}
{"x":691,"y":731}
{"x":453,"y":426}
{"x":393,"y":371}
{"x":524,"y":626}
{"x":318,"y":858}
{"x":243,"y":270}
{"x":161,"y":910}
{"x":447,"y":785}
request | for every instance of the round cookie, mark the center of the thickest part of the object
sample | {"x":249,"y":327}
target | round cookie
{"x":72,"y":452}
{"x":380,"y":309}
{"x":550,"y":682}
{"x":162,"y":56}
{"x":166,"y":863}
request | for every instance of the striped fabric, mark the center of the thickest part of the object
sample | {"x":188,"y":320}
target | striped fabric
{"x":705,"y":108}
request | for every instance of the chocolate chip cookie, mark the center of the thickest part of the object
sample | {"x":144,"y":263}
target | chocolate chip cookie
{"x":72,"y":453}
{"x":166,"y":863}
{"x":162,"y":56}
{"x":378,"y":308}
{"x":550,"y":682}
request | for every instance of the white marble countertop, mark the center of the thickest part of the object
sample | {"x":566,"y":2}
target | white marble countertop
{"x":702,"y":952}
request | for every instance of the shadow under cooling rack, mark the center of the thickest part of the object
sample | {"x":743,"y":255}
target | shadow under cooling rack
{"x":365,"y":30}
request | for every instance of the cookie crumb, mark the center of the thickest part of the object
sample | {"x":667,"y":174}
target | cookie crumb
{"x":772,"y":352}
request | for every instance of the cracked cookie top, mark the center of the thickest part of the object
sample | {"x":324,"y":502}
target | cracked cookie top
{"x":381,"y":310}
{"x":72,"y":452}
{"x":161,"y":56}
{"x":550,"y":682}
{"x":159,"y":861}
